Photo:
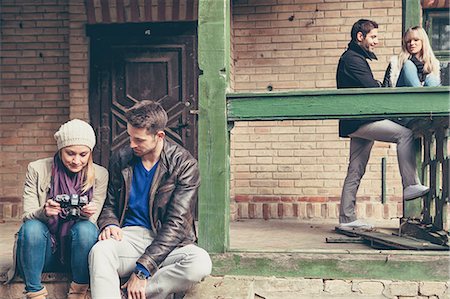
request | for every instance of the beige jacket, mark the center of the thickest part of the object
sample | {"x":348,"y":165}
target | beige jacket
{"x":37,"y":185}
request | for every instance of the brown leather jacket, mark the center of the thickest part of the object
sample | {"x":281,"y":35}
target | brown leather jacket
{"x":172,"y":200}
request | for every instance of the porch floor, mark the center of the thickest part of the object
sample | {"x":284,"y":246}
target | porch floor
{"x":291,"y":235}
{"x":294,"y":250}
{"x":255,"y":235}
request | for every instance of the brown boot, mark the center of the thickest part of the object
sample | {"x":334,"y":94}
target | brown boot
{"x":37,"y":295}
{"x":77,"y":291}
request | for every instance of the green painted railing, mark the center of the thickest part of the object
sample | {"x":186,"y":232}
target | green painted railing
{"x":338,"y":104}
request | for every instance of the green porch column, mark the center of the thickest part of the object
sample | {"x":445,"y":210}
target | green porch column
{"x":411,"y":16}
{"x":411,"y":13}
{"x":213,"y":139}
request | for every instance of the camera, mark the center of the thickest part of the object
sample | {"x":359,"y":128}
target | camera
{"x":72,"y":204}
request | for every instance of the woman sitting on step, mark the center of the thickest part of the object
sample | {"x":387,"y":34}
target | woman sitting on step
{"x":416,"y":64}
{"x":62,"y":199}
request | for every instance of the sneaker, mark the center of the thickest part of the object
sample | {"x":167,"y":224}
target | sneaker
{"x":356,"y":224}
{"x":415,"y":191}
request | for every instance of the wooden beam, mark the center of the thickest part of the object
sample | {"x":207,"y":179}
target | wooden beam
{"x":336,"y":104}
{"x":411,"y":14}
{"x":214,"y":193}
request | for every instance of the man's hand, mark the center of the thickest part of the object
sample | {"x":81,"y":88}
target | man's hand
{"x":135,"y":287}
{"x":52,"y":208}
{"x":111,"y":231}
{"x":89,"y":209}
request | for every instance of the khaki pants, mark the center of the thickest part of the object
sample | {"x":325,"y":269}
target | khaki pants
{"x":110,"y":260}
{"x":361,"y":143}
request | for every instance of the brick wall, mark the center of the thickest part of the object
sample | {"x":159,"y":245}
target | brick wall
{"x":296,"y":44}
{"x":44,"y":82}
{"x":34,"y":89}
{"x":79,"y":62}
{"x":296,"y":168}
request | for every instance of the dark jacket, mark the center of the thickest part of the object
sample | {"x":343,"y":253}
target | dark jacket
{"x":354,"y":72}
{"x":172,"y":200}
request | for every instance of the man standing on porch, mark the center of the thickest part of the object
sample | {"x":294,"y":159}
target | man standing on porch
{"x":147,"y":223}
{"x":354,"y":72}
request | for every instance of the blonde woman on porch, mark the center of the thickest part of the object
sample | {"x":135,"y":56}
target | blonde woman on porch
{"x":62,"y":199}
{"x":416,"y":65}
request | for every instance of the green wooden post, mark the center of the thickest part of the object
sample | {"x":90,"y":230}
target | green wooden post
{"x":412,"y":11}
{"x":213,"y":138}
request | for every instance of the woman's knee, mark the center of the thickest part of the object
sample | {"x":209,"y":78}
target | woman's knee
{"x":432,"y":81}
{"x":33,"y":232}
{"x":84,"y":230}
{"x":409,"y":66}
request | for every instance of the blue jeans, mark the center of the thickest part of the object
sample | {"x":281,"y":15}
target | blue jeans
{"x":408,"y":77}
{"x":34,"y":252}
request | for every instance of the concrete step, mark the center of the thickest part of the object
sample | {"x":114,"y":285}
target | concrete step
{"x":269,"y":287}
{"x":260,"y":287}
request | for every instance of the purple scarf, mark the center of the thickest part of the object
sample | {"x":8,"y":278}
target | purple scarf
{"x":63,"y":182}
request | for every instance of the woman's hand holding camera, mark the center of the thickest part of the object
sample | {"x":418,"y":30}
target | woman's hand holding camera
{"x":52,"y":208}
{"x":89,"y":209}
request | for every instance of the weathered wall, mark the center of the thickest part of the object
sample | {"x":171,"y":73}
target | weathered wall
{"x":296,"y":168}
{"x":34,"y":88}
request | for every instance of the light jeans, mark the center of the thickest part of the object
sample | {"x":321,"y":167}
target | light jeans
{"x":34,"y":252}
{"x":110,"y":260}
{"x":408,"y":77}
{"x":361,"y":143}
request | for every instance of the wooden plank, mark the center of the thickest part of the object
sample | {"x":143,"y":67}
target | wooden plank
{"x":148,"y":10}
{"x":161,"y":10}
{"x":90,"y":10}
{"x":190,"y":9}
{"x":176,"y":10}
{"x":392,"y":241}
{"x":120,"y":11}
{"x":134,"y":11}
{"x":390,"y":265}
{"x":213,"y":134}
{"x":435,"y":3}
{"x":106,"y":17}
{"x":337,"y":104}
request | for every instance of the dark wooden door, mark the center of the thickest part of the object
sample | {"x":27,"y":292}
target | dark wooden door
{"x":124,"y":71}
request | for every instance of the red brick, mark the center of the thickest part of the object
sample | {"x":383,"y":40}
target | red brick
{"x":243,"y":198}
{"x":266,"y":211}
{"x":280,"y":210}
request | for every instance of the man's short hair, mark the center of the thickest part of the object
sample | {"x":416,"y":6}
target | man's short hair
{"x":147,"y":114}
{"x":364,"y":26}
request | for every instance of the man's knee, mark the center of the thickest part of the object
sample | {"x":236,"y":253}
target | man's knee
{"x":100,"y":250}
{"x":406,"y":135}
{"x":201,"y":266}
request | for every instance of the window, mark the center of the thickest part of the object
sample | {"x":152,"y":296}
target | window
{"x":438,"y":29}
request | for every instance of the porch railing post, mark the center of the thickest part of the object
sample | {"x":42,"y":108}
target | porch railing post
{"x":213,"y":139}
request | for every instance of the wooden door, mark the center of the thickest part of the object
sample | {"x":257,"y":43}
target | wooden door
{"x":128,"y":70}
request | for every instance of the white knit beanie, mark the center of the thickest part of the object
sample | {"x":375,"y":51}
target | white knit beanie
{"x":75,"y":132}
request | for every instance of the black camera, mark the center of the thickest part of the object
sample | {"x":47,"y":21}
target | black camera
{"x":72,"y":204}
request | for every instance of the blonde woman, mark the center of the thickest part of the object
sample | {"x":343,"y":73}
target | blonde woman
{"x":416,"y":64}
{"x":55,"y":236}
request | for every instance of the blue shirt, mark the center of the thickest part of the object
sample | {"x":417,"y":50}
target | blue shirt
{"x":138,"y":204}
